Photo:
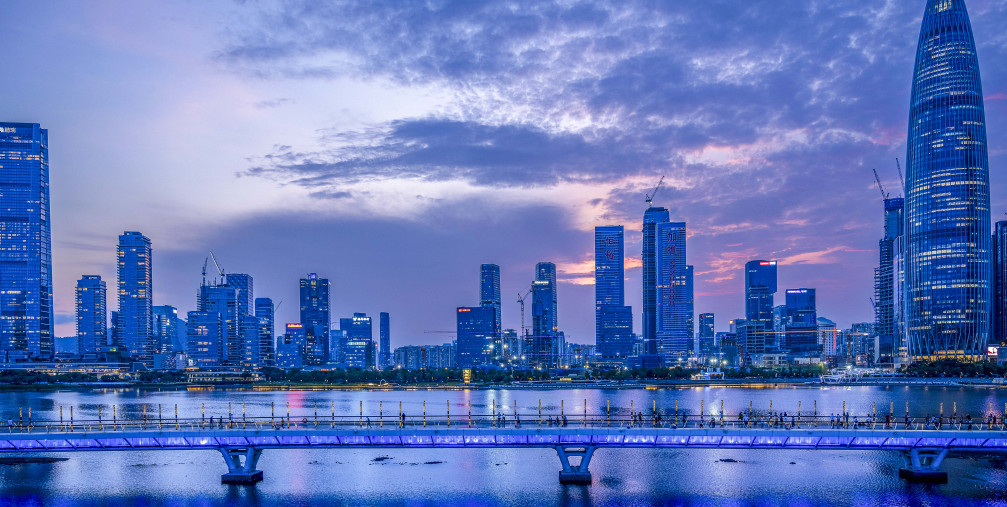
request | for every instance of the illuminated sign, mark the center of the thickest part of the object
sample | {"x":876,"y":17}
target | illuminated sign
{"x":294,"y":326}
{"x":797,"y":291}
{"x":7,"y":130}
{"x":992,"y":351}
{"x":767,"y":263}
{"x":463,"y":310}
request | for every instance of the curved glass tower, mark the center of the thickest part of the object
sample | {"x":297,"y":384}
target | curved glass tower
{"x":947,"y":220}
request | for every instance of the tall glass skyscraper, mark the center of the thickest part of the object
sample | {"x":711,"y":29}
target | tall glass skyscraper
{"x":947,"y":224}
{"x":92,"y":314}
{"x":760,"y":285}
{"x":674,"y":296}
{"x":264,"y":312}
{"x":651,"y":218}
{"x":489,"y":292}
{"x":359,"y":351}
{"x":385,"y":340}
{"x":998,"y":326}
{"x":136,"y":312}
{"x":474,"y":331}
{"x":26,"y":313}
{"x":223,"y":300}
{"x":613,"y":320}
{"x":884,"y":287}
{"x":315,"y":317}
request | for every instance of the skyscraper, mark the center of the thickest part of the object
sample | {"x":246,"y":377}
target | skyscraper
{"x":802,"y":323}
{"x":947,"y":206}
{"x":359,"y":350}
{"x":165,"y":329}
{"x":385,"y":340}
{"x":92,"y":314}
{"x":264,"y":312}
{"x":651,"y":218}
{"x":489,"y":292}
{"x":884,"y":295}
{"x":223,"y":300}
{"x":998,"y":335}
{"x":26,"y":312}
{"x":474,"y":332}
{"x":204,"y":335}
{"x":136,"y":312}
{"x":674,"y":302}
{"x":760,"y":285}
{"x":613,"y":320}
{"x":315,"y":317}
{"x":546,"y":272}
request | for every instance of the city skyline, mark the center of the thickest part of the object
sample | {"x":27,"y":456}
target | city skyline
{"x":816,"y":246}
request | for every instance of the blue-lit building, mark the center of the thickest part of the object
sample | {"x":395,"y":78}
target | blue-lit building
{"x":947,"y":206}
{"x":674,"y":299}
{"x":884,"y":286}
{"x":489,"y":292}
{"x":244,"y":295}
{"x":264,"y":313}
{"x":223,"y":300}
{"x":26,"y":311}
{"x":707,"y":334}
{"x":475,"y":328}
{"x":92,"y":314}
{"x":251,"y":342}
{"x":168,"y":337}
{"x":760,"y":286}
{"x":205,"y":336}
{"x":315,"y":317}
{"x":651,"y":219}
{"x":384,"y":341}
{"x":998,"y":324}
{"x":136,"y":308}
{"x":359,"y":350}
{"x":291,"y":347}
{"x":802,"y":323}
{"x":613,"y":320}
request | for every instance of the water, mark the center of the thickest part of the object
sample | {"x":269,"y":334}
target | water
{"x":504,"y":476}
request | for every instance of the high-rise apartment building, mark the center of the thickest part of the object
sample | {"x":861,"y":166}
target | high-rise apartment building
{"x":26,"y":311}
{"x":947,"y":203}
{"x":92,"y":314}
{"x":135,"y":284}
{"x":613,"y":320}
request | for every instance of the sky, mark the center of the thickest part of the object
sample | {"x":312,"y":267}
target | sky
{"x":392,"y":147}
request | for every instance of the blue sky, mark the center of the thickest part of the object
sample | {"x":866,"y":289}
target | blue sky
{"x":394,"y":146}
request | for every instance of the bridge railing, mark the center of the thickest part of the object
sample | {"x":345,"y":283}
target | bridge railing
{"x":160,"y":421}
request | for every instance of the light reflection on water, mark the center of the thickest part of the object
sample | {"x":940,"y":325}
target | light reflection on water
{"x":504,"y":476}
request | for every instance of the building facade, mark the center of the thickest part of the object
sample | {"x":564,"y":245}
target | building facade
{"x":947,"y":203}
{"x":359,"y":350}
{"x":92,"y":314}
{"x":674,"y":299}
{"x":315,"y":317}
{"x":26,"y":311}
{"x":884,"y":288}
{"x":489,"y":292}
{"x":474,"y":331}
{"x":651,"y":219}
{"x":760,"y":287}
{"x":136,"y":308}
{"x":385,"y":341}
{"x":265,"y":314}
{"x":613,"y":319}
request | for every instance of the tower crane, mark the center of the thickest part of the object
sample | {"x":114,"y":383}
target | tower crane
{"x":520,"y":299}
{"x":884,"y":195}
{"x":901,"y":181}
{"x":650,"y":196}
{"x":220,"y":270}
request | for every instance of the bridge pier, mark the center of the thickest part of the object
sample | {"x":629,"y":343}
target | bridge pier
{"x":575,"y":474}
{"x":925,"y":465}
{"x":241,"y":465}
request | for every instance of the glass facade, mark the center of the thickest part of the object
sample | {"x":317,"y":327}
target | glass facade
{"x":474,"y":333}
{"x":947,"y":207}
{"x":315,"y":317}
{"x":136,"y":312}
{"x":651,"y":218}
{"x":205,"y":338}
{"x":998,"y":326}
{"x":802,"y":322}
{"x":264,"y":313}
{"x":674,"y":299}
{"x":92,"y":314}
{"x":613,"y":320}
{"x":884,"y":295}
{"x":223,"y":300}
{"x":26,"y":312}
{"x":166,"y":335}
{"x":385,"y":340}
{"x":489,"y":292}
{"x":359,"y":350}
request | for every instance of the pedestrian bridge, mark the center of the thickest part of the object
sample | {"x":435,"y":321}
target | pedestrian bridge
{"x":241,"y":442}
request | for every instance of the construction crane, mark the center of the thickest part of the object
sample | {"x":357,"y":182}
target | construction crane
{"x":219,"y":269}
{"x":901,"y":181}
{"x":650,"y":196}
{"x":520,"y":299}
{"x":206,"y":260}
{"x":884,"y":195}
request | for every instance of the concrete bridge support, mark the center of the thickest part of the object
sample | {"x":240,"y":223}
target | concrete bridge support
{"x":241,"y":465}
{"x":575,"y":473}
{"x":925,"y":465}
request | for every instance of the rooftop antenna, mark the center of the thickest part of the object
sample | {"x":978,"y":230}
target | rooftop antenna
{"x":650,"y":196}
{"x":901,"y":181}
{"x":884,"y":195}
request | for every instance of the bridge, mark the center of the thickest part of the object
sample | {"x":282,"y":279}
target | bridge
{"x":925,"y":441}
